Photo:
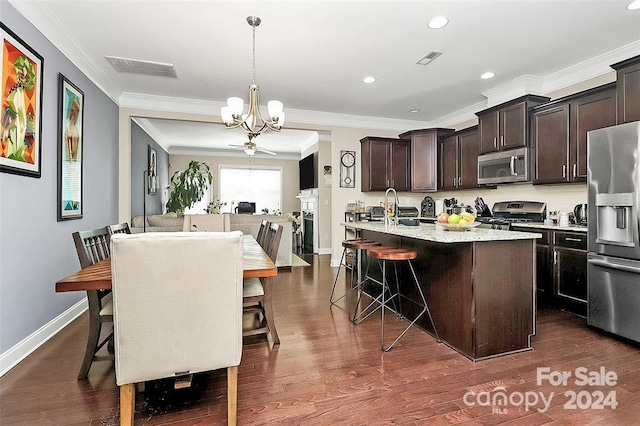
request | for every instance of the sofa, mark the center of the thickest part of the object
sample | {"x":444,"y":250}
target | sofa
{"x":247,"y":223}
{"x":169,"y":222}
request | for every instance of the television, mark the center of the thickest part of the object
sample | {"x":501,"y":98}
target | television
{"x":309,"y":171}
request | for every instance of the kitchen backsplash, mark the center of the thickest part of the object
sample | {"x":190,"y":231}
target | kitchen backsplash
{"x":557,"y":197}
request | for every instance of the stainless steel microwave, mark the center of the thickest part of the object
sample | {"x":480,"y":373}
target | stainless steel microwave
{"x":504,"y":167}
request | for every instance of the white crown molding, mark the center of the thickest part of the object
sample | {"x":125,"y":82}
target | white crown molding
{"x":197,"y":106}
{"x":583,"y":71}
{"x":39,"y":14}
{"x":230,"y":153}
{"x":591,"y":68}
{"x":460,"y":116}
{"x":312,"y":140}
{"x":151,"y":130}
{"x":523,"y":85}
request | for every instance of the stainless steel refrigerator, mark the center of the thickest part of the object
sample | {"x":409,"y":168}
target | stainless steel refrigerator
{"x":613,"y":268}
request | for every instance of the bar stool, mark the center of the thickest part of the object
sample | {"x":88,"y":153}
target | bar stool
{"x":359,"y":245}
{"x":375,"y":301}
{"x":395,"y":255}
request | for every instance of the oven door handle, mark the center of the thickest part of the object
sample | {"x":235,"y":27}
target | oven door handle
{"x":512,"y":165}
{"x":603,"y":262}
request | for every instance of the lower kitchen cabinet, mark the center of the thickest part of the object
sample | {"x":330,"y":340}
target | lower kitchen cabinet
{"x":561,"y":268}
{"x":544,"y":273}
{"x":571,"y":274}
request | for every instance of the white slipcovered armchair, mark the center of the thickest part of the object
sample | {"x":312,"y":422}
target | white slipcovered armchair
{"x":177,"y":299}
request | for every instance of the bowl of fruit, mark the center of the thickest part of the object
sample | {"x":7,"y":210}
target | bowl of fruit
{"x":457,"y":222}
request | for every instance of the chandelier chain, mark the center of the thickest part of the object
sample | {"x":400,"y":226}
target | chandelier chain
{"x":253,"y":76}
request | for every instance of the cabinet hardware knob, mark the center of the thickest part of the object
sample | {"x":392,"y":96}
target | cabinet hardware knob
{"x":575,"y":169}
{"x":564,"y":170}
{"x":502,"y":140}
{"x":577,"y":240}
{"x":495,"y":142}
{"x":459,"y":180}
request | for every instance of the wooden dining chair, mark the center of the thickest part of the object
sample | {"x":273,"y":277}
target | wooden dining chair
{"x":262,"y":232}
{"x":257,"y":292}
{"x":92,"y":247}
{"x":120,"y":228}
{"x":192,"y":320}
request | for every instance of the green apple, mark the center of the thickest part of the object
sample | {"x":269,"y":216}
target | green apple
{"x":454,"y":218}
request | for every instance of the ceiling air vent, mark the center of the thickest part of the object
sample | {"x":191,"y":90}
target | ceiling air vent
{"x":428,"y":57}
{"x":135,"y":66}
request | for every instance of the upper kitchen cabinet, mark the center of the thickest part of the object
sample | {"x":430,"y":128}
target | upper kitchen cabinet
{"x":628,"y":88}
{"x":559,"y":133}
{"x":459,"y":159}
{"x":424,"y":157}
{"x":506,"y":126}
{"x":385,"y":164}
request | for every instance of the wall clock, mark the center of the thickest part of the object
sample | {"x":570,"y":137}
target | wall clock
{"x":347,"y":169}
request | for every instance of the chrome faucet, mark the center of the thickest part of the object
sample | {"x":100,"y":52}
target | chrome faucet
{"x":388,"y":220}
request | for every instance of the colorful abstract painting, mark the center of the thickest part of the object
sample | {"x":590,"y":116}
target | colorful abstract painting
{"x":20,"y":134}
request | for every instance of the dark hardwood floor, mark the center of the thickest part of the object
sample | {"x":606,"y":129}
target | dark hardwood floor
{"x":327,"y":372}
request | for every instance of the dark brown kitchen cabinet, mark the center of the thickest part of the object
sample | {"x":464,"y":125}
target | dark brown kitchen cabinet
{"x":385,"y":163}
{"x":458,"y":166}
{"x":506,"y":126}
{"x":570,"y":270}
{"x":628,"y":90}
{"x":424,"y":157}
{"x":559,"y":133}
{"x":544,"y":264}
{"x":561,"y":269}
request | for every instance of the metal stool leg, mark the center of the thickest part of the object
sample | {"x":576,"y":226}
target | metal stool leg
{"x":424,"y":309}
{"x":335,"y":281}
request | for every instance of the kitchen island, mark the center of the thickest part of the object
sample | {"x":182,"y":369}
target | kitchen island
{"x":479,"y":284}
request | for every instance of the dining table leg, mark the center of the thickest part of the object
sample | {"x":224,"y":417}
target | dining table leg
{"x":268,"y":310}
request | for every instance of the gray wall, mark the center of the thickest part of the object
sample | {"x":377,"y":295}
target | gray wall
{"x":35,"y":249}
{"x":140,"y":142}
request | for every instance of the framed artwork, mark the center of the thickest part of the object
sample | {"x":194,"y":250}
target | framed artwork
{"x":70,"y":150}
{"x":152,"y":167}
{"x":21,"y":85}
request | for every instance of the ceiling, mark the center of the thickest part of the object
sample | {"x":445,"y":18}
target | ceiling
{"x":313,"y":55}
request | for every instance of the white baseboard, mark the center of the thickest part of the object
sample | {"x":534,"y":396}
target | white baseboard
{"x":20,"y":351}
{"x":327,"y":250}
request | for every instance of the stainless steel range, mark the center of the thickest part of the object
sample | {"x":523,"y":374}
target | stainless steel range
{"x":507,"y":212}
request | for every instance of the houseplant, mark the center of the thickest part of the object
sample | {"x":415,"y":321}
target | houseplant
{"x":188,"y":186}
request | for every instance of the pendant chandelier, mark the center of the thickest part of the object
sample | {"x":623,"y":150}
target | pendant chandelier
{"x":252,"y":122}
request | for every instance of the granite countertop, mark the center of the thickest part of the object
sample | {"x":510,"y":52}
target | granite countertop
{"x":436,"y":233}
{"x":538,"y":225}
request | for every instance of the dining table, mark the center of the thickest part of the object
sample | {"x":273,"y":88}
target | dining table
{"x":256,"y":264}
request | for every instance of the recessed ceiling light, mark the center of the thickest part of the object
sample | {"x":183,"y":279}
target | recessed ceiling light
{"x":487,"y":75}
{"x":438,"y":22}
{"x":369,"y":79}
{"x":634,"y":5}
{"x":414,"y":110}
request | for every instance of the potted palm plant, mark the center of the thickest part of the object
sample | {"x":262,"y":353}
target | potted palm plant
{"x":188,"y":186}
